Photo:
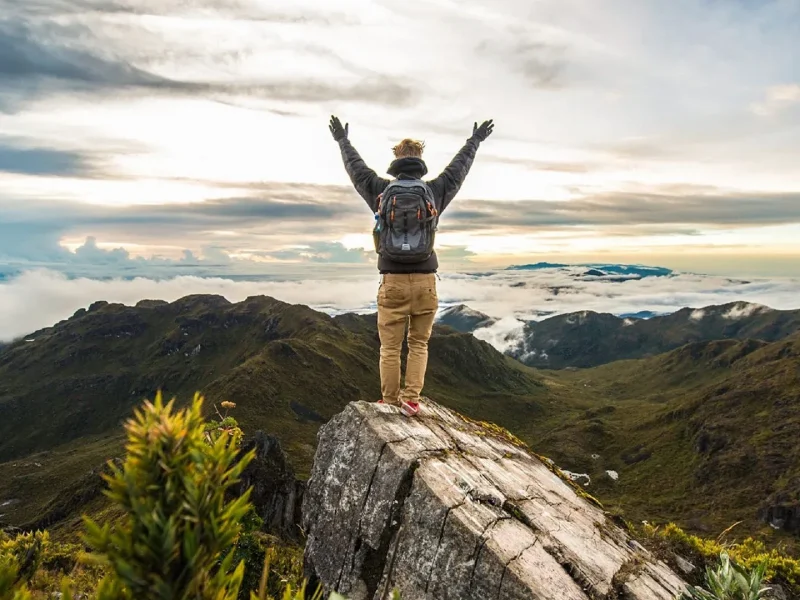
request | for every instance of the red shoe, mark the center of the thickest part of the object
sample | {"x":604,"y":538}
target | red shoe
{"x":409,"y":408}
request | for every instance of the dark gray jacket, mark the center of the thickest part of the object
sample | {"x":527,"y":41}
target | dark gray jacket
{"x":369,"y":185}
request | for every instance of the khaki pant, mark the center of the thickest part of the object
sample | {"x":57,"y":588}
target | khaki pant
{"x":405,"y":301}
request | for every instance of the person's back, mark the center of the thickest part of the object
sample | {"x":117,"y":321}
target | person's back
{"x":407,"y":213}
{"x":407,"y":261}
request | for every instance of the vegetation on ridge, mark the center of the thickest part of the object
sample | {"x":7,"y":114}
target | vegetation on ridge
{"x":704,"y":436}
{"x":729,"y":581}
{"x":749,"y":555}
{"x":177,"y":534}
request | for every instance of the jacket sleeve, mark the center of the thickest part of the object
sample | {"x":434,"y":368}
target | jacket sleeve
{"x":367,"y":183}
{"x":446,"y":185}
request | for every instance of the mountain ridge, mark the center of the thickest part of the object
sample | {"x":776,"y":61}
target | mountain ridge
{"x":587,"y":338}
{"x":709,"y":420}
{"x":64,"y":396}
{"x":675,"y":427}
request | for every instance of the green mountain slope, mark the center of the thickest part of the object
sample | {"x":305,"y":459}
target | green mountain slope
{"x":64,"y":395}
{"x":587,"y":339}
{"x":705,"y":435}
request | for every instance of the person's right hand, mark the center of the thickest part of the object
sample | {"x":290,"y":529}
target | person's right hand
{"x":484,"y":131}
{"x":337,"y":131}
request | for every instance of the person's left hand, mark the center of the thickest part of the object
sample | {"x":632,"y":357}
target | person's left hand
{"x":484,"y":131}
{"x":337,"y":131}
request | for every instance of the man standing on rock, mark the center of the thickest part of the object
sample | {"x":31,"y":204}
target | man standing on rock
{"x":407,"y":212}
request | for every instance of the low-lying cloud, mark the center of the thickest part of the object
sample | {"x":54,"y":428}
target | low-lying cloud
{"x":37,"y":299}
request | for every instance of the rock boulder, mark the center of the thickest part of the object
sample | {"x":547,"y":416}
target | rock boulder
{"x":276,"y":494}
{"x":441,"y":507}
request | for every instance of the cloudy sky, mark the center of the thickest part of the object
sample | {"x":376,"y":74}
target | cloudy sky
{"x":147,"y":137}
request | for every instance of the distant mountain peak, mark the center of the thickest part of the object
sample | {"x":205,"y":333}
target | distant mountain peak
{"x":463,"y":318}
{"x":731,"y":311}
{"x":596,"y":270}
{"x":745,"y":309}
{"x":465,"y":311}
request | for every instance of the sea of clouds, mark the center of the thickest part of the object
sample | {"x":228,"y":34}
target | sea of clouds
{"x":39,"y":298}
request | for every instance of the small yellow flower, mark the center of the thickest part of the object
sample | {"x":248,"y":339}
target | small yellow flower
{"x":228,"y":404}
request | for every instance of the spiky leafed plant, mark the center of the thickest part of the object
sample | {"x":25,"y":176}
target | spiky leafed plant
{"x":19,"y":558}
{"x":176,"y":520}
{"x":729,"y":581}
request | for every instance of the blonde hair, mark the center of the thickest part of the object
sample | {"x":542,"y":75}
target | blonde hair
{"x":409,"y":148}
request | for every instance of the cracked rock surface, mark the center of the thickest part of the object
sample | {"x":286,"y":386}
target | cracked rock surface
{"x":440,"y":507}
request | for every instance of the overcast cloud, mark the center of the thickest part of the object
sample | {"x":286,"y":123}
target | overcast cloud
{"x":193,"y":135}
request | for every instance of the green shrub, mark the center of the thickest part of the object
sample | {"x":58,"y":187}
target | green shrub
{"x":729,"y":581}
{"x":60,"y":557}
{"x":19,"y":560}
{"x":290,"y":592}
{"x":254,"y":548}
{"x":749,"y":553}
{"x":177,"y":522}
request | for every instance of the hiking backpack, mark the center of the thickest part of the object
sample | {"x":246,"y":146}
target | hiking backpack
{"x":406,"y":221}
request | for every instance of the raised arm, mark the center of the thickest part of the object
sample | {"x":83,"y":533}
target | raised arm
{"x":367,"y":183}
{"x":446,"y":185}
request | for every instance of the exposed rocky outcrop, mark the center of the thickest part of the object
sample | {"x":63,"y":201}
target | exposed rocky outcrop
{"x":782,"y":512}
{"x":276,"y":494}
{"x":441,"y":507}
